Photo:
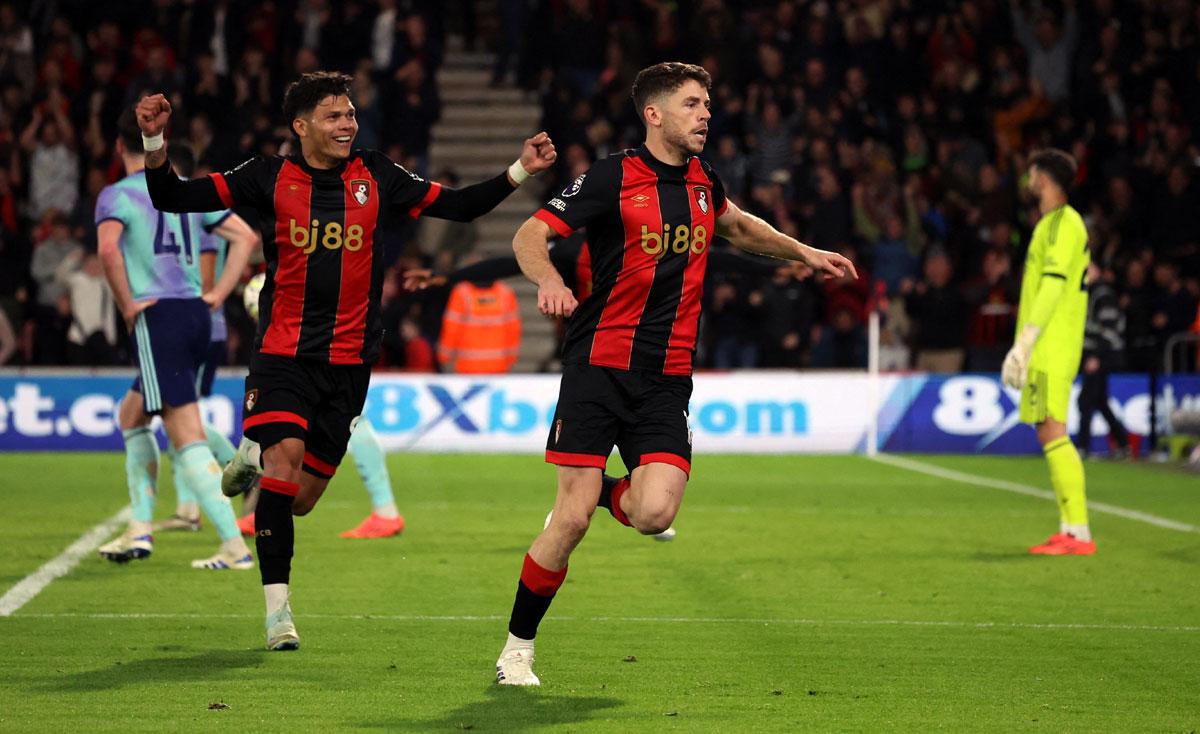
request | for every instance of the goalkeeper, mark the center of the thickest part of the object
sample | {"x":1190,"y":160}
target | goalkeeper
{"x":1044,"y":360}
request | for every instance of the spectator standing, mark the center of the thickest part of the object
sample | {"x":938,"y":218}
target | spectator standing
{"x":938,"y":312}
{"x":92,"y":336}
{"x":49,"y":138}
{"x":1049,"y":47}
{"x":1103,"y":344}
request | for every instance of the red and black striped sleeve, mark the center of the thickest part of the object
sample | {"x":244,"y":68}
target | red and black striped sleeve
{"x":247,"y":185}
{"x":592,"y":195}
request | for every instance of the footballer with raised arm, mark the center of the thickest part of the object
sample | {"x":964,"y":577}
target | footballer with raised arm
{"x":1045,"y":356}
{"x":651,"y":215}
{"x":152,"y":264}
{"x":319,"y":328}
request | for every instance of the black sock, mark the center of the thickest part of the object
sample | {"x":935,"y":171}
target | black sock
{"x":274,"y":536}
{"x":535,"y":591}
{"x":607,"y":484}
{"x":527,"y":612}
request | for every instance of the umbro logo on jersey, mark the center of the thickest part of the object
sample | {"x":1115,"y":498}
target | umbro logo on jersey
{"x":362,"y":191}
{"x":701,"y":198}
{"x":640,"y":201}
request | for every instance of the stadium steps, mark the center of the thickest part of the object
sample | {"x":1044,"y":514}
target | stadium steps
{"x":479,"y":134}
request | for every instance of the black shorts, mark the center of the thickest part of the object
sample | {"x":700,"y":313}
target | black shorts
{"x":644,"y":414}
{"x":315,"y":402}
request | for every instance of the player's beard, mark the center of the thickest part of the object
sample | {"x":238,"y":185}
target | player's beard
{"x":682,"y":140}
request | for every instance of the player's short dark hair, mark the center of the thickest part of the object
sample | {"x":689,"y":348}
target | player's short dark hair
{"x":304,"y":94}
{"x":655,"y":81}
{"x":129,"y":133}
{"x":1059,"y":165}
{"x":183,"y":160}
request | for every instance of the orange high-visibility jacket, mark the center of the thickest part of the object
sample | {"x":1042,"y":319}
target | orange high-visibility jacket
{"x":481,"y":331}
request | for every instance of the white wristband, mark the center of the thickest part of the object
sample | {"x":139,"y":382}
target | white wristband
{"x":152,"y":144}
{"x":518,"y":173}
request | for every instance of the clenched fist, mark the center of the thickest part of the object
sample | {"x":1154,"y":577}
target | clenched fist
{"x":537,"y":154}
{"x":152,"y":114}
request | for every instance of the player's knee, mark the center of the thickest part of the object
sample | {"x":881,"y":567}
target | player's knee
{"x":302,"y":506}
{"x":572,"y":525}
{"x":654,"y":521}
{"x":1049,"y":431}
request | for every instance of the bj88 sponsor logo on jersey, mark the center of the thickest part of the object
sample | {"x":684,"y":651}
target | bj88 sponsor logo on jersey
{"x":679,"y":239}
{"x":331,"y":236}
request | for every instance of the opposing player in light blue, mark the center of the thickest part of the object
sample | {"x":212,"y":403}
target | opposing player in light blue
{"x":152,"y":263}
{"x":213,"y":252}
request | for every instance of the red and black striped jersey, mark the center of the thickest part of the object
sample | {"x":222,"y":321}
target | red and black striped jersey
{"x":649,"y":227}
{"x":324,"y":262}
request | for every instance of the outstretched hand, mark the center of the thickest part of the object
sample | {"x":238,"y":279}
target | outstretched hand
{"x":418,"y":279}
{"x":153,"y":112}
{"x":829,"y":264}
{"x":538,"y":154}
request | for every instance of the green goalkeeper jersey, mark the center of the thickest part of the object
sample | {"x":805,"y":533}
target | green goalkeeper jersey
{"x":1059,"y":249}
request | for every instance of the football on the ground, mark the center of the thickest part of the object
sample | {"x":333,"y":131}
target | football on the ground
{"x":250,"y":294}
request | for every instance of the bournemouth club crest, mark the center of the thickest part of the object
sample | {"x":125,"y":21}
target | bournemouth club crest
{"x":702,"y":198}
{"x":251,"y":399}
{"x":361,"y":189}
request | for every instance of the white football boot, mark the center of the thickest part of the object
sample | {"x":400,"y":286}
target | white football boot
{"x":128,"y":547}
{"x":225,"y":560}
{"x":665,"y":536}
{"x":281,"y":632}
{"x":515,"y":668}
{"x":242,"y":470}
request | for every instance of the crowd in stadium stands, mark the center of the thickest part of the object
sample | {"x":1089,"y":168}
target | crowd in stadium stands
{"x":894,"y":131}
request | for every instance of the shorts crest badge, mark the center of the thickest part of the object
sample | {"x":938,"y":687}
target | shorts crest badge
{"x":251,"y":399}
{"x":557,"y":430}
{"x":361,"y":188}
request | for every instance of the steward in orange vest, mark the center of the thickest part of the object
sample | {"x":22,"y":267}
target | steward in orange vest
{"x":481,"y":330}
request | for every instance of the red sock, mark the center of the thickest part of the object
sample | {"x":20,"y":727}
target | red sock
{"x":618,"y":492}
{"x":541,"y":581}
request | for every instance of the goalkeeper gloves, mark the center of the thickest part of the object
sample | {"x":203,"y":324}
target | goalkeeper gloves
{"x":1016,"y":363}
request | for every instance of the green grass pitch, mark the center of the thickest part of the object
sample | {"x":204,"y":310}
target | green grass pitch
{"x":802,"y":594}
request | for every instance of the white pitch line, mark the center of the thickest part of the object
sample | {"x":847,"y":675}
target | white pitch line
{"x":957,"y":476}
{"x":59,"y":566}
{"x":766,"y":621}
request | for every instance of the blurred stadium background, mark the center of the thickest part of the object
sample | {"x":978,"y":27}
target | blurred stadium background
{"x":894,"y":131}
